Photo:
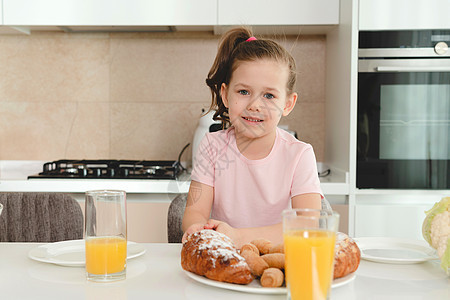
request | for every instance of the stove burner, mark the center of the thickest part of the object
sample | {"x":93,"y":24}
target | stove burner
{"x":110,"y":169}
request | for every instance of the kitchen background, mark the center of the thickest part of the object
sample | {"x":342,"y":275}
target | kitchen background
{"x":128,"y":95}
{"x":139,"y":95}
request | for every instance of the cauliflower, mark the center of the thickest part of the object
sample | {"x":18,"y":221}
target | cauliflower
{"x":436,"y":230}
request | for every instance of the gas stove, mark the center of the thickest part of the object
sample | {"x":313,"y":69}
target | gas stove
{"x":110,"y":169}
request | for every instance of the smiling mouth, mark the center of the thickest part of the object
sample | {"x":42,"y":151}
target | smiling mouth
{"x":252,"y":119}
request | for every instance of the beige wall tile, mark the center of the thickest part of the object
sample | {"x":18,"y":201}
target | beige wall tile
{"x":310,"y":58}
{"x":161,"y":70}
{"x":54,"y":68}
{"x":53,"y":130}
{"x":90,"y":132}
{"x":307,"y":119}
{"x":153,"y":131}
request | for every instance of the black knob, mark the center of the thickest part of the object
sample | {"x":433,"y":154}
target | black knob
{"x":82,"y":172}
{"x":124,"y":172}
{"x":97,"y":172}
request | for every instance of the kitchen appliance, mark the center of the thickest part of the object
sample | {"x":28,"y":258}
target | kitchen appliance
{"x":205,"y":124}
{"x":404,"y":110}
{"x":110,"y":169}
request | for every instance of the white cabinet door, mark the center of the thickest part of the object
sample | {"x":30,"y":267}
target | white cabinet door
{"x":280,"y":12}
{"x":403,"y":14}
{"x":109,"y":12}
{"x":390,"y":220}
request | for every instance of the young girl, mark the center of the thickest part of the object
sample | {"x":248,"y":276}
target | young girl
{"x":246,"y":175}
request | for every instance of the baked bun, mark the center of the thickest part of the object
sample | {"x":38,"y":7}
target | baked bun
{"x":213,"y":254}
{"x":346,"y":255}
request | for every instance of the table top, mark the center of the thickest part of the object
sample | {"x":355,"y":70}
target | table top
{"x":158,"y":274}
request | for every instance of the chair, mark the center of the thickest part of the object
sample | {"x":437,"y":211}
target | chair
{"x":176,"y":212}
{"x":175,"y":218}
{"x":39,"y":217}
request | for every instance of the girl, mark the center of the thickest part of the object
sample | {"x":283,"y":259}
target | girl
{"x":246,"y":175}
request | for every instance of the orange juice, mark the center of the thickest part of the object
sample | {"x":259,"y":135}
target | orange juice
{"x":105,"y":255}
{"x":309,"y":263}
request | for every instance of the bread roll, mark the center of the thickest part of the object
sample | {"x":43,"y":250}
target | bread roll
{"x":274,"y":260}
{"x":255,"y":262}
{"x":272,"y":277}
{"x":263,"y":245}
{"x":250,"y":247}
{"x":277,"y":248}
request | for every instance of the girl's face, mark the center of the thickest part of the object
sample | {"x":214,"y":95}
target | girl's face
{"x":257,"y":97}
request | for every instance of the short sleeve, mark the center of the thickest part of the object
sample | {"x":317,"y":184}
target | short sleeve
{"x":306,"y":179}
{"x":203,"y":170}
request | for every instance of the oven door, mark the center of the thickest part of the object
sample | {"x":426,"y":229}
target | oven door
{"x":403,"y":124}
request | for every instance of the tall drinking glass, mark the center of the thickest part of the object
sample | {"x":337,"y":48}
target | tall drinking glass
{"x":309,"y":239}
{"x":106,"y":235}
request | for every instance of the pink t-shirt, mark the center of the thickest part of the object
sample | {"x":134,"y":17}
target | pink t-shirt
{"x":253,"y":193}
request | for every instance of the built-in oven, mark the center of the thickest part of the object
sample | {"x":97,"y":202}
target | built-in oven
{"x":403,"y":129}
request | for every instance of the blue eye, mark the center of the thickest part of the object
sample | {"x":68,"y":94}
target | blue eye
{"x":243,"y":92}
{"x":269,"y":96}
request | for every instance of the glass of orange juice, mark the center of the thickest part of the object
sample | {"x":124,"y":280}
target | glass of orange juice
{"x":309,"y":239}
{"x":106,"y":235}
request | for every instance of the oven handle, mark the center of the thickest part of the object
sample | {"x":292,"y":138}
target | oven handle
{"x":413,"y":69}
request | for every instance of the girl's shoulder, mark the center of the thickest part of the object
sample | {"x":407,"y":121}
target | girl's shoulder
{"x":223,"y":136}
{"x":291,"y":141}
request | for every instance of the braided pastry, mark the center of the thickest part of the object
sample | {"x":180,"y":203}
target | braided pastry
{"x":346,"y":255}
{"x":213,"y":254}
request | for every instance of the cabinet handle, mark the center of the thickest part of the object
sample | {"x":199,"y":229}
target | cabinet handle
{"x":413,"y":69}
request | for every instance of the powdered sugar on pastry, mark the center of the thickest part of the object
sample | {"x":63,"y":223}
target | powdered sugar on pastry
{"x":219,"y":245}
{"x":213,"y":254}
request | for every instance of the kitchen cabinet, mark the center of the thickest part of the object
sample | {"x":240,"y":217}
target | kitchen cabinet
{"x":126,"y":15}
{"x":394,"y":215}
{"x":109,"y":12}
{"x":403,"y":14}
{"x":389,"y":220}
{"x":281,"y":12}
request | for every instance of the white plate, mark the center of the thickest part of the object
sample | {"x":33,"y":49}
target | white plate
{"x":72,"y":253}
{"x":395,"y":250}
{"x":255,"y":287}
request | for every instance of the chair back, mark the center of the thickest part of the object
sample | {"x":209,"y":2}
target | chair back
{"x":175,"y":218}
{"x":39,"y":217}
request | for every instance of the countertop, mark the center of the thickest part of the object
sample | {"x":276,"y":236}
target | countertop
{"x":158,"y":275}
{"x":13,"y":177}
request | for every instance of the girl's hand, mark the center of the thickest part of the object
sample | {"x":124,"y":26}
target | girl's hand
{"x":222,"y":227}
{"x":191,"y":229}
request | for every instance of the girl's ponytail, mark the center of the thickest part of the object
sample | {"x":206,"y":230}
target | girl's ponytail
{"x":221,"y":70}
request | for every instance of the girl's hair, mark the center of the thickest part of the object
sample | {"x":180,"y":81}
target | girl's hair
{"x":235,"y":48}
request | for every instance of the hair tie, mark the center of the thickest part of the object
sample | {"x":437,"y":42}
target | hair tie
{"x":252,"y":38}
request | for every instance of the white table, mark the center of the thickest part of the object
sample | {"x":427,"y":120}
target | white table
{"x":158,"y":275}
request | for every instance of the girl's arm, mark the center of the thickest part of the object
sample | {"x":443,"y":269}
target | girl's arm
{"x":198,"y":207}
{"x":273,"y":233}
{"x":312,"y":200}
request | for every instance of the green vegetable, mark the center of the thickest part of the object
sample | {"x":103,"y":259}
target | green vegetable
{"x":437,"y":233}
{"x":445,"y":260}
